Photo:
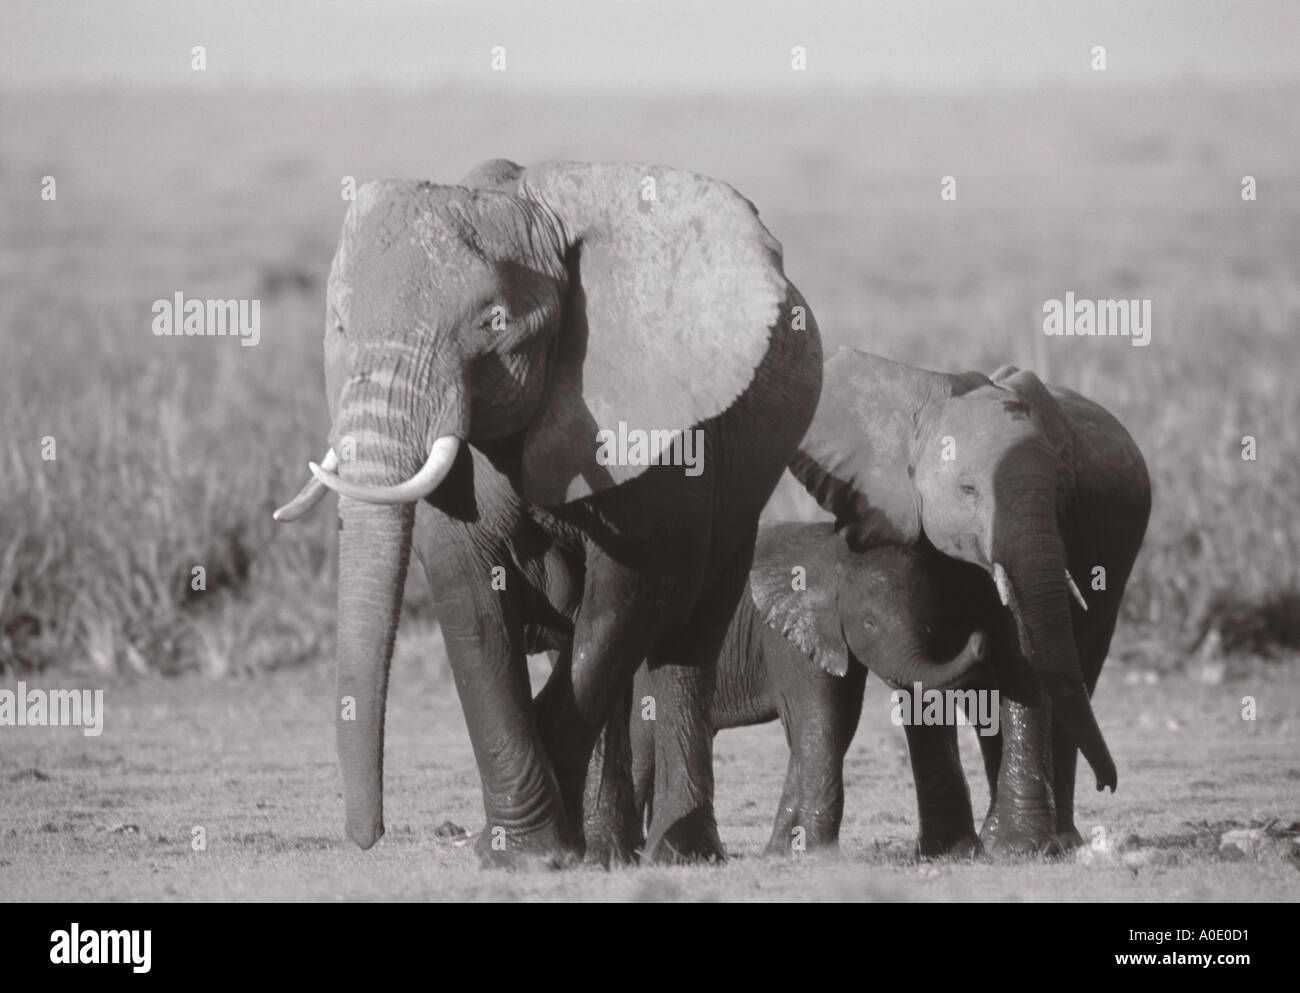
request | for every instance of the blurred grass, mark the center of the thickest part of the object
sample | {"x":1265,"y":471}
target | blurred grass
{"x":171,"y":453}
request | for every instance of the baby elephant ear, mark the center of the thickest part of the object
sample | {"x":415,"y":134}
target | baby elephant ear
{"x":856,"y":457}
{"x":675,"y":292}
{"x":794,"y":584}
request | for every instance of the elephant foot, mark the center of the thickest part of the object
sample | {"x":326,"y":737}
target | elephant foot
{"x":1016,"y":843}
{"x":1022,"y":844}
{"x":611,"y":830}
{"x":1018,"y":837}
{"x":1069,"y":838}
{"x":610,"y":850}
{"x":787,"y":849}
{"x":686,"y":840}
{"x":801,"y":840}
{"x":956,"y":846}
{"x":539,"y":849}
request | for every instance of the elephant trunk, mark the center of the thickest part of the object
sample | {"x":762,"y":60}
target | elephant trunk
{"x":376,"y":520}
{"x":374,"y":550}
{"x":1035,"y":588}
{"x":918,"y":667}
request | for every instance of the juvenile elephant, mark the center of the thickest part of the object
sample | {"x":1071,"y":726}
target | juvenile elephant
{"x":817,"y":616}
{"x":1036,"y":485}
{"x":570,"y":388}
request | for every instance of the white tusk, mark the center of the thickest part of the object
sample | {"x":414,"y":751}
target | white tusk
{"x":309,"y":495}
{"x":1003,"y":584}
{"x":441,"y":456}
{"x":1075,"y":590}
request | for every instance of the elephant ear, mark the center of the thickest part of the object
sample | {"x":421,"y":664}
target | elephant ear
{"x":857,"y":457}
{"x":802,"y":606}
{"x":676,"y":289}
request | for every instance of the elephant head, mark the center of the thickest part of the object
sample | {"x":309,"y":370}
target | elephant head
{"x":983,"y":468}
{"x":527,"y":308}
{"x":883,"y":606}
{"x":902,"y":621}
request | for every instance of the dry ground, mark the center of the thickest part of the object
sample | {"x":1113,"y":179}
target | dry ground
{"x":252,"y":762}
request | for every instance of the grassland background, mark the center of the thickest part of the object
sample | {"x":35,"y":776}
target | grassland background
{"x":172,"y":453}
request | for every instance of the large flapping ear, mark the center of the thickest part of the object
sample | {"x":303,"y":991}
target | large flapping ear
{"x":856,"y":458}
{"x":676,"y":289}
{"x":795,"y":584}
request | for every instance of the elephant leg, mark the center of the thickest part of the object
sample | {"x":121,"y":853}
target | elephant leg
{"x":1093,"y":644}
{"x":682,"y":671}
{"x":1025,"y":818}
{"x":525,"y":823}
{"x":610,"y":827}
{"x":787,"y":810}
{"x":942,"y":796}
{"x":682,"y":825}
{"x":1064,"y":758}
{"x":610,"y":638}
{"x":1065,"y":754}
{"x":822,"y":724}
{"x":991,"y":753}
{"x":641,"y":733}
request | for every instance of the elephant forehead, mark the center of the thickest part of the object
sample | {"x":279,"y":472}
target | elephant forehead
{"x":880,"y":580}
{"x":442,"y":221}
{"x":359,"y":226}
{"x":414,"y":242}
{"x":886,"y":567}
{"x":982,"y":426}
{"x":991,"y":403}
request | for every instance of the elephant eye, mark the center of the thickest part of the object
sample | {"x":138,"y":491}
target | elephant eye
{"x":969,"y":489}
{"x":497,"y":318}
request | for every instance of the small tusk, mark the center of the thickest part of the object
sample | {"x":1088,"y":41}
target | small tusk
{"x":309,"y":495}
{"x":1008,"y":596}
{"x":1075,"y":590}
{"x":442,"y":454}
{"x":1003,"y":584}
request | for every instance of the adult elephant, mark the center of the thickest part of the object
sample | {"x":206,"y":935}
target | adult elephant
{"x":571,"y":388}
{"x":1034,"y":484}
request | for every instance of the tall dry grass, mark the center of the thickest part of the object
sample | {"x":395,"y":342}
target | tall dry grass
{"x":172,"y":453}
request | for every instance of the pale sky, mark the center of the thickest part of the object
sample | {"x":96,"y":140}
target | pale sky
{"x":666,"y":44}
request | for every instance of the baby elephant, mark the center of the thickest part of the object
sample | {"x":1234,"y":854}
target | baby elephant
{"x":815,"y":618}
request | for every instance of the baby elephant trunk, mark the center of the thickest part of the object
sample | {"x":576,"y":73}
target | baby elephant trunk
{"x":917,"y":667}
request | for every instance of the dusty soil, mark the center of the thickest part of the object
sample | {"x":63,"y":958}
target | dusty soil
{"x":252,"y":763}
